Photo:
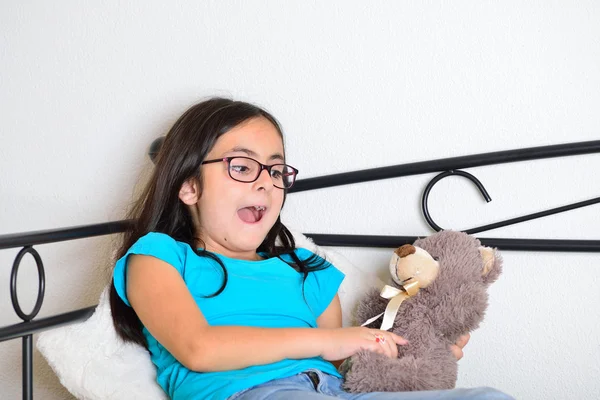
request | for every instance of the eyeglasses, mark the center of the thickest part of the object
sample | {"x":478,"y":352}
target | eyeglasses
{"x":245,"y":169}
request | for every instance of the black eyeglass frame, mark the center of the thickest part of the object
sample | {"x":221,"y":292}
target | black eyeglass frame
{"x":262,"y":167}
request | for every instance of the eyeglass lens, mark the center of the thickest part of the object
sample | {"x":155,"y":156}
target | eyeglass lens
{"x":247,"y":170}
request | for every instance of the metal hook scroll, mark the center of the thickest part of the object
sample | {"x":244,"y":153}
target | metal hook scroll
{"x":487,"y":197}
{"x":438,"y":178}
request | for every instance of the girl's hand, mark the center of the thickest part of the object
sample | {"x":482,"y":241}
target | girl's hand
{"x":461,"y":342}
{"x":342,"y":343}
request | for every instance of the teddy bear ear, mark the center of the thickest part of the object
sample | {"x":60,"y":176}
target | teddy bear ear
{"x":492,"y":264}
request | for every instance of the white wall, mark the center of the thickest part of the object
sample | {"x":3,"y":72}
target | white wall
{"x":84,"y":89}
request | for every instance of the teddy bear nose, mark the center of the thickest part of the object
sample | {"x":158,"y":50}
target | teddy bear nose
{"x":405,"y":250}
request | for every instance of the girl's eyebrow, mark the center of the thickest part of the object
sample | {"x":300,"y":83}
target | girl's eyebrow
{"x":251,"y":153}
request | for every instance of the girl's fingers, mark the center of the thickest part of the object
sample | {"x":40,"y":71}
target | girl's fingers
{"x":387,"y":342}
{"x":380,"y":339}
{"x":393,"y":347}
{"x":387,"y":351}
{"x":377,"y":343}
{"x":384,"y":342}
{"x":399,"y":339}
{"x":457,"y":351}
{"x":377,"y":348}
{"x":463,"y":340}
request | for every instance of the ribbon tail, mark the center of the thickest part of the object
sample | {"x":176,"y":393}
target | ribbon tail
{"x":391,"y":310}
{"x":372,"y":319}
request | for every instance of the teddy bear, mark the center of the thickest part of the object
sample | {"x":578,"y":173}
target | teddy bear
{"x":439,"y":293}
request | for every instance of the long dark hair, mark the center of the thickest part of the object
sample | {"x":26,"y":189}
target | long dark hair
{"x":159,"y":209}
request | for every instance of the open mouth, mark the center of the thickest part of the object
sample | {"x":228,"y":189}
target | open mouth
{"x":252,"y":214}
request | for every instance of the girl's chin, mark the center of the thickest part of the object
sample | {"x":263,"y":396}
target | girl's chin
{"x":254,"y":233}
{"x":251,"y":235}
{"x":248,"y":243}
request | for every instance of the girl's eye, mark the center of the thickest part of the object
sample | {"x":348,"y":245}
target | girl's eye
{"x":276,"y":174}
{"x":240,"y":169}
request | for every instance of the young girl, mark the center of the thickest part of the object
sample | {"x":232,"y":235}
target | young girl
{"x":210,"y":282}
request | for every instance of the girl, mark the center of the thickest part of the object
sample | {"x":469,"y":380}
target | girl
{"x":210,"y":282}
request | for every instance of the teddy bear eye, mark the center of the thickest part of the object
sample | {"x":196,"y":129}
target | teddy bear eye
{"x":436,"y":258}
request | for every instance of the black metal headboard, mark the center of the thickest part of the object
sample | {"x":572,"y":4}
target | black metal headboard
{"x":445,"y":167}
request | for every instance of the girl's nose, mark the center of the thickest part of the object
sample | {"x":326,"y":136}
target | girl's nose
{"x":264,"y":179}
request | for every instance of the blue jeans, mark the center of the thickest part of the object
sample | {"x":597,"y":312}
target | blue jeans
{"x":316,"y":385}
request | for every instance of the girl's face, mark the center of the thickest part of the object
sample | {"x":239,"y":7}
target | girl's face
{"x":235,"y":217}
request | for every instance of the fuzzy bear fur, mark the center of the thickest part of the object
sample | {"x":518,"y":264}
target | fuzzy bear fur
{"x":452,"y":305}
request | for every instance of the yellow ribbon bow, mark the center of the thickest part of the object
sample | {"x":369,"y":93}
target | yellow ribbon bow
{"x":409,"y":288}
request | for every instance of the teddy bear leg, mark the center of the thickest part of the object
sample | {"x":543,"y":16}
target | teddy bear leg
{"x":372,"y":372}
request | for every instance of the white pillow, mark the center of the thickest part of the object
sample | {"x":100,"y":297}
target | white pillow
{"x":92,"y":362}
{"x":355,"y":284}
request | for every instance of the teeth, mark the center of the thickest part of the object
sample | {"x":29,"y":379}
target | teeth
{"x":259,"y":208}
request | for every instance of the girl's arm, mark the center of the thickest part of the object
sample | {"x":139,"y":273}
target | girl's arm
{"x":165,"y":306}
{"x":332,"y":318}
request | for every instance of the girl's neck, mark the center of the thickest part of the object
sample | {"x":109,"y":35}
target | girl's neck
{"x":247,"y":255}
{"x":253,"y":256}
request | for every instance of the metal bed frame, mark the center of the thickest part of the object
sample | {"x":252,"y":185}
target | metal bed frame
{"x":447,"y":167}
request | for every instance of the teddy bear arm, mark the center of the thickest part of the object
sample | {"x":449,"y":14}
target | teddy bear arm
{"x":459,"y":312}
{"x":371,"y":305}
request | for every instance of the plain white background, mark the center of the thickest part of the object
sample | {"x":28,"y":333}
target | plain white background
{"x":85,"y":87}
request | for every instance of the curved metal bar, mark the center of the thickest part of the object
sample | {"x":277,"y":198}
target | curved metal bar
{"x":528,"y":217}
{"x":438,"y":178}
{"x":41,"y":284}
{"x":499,"y":224}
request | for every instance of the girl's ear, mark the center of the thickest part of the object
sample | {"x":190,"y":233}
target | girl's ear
{"x":190,"y":192}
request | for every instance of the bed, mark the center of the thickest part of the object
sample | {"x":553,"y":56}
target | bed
{"x":442,"y":168}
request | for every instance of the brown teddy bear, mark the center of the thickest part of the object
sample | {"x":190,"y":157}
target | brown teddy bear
{"x":440,"y":294}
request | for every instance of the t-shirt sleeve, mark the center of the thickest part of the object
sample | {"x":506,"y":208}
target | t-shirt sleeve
{"x":322,"y":285}
{"x":153,"y":244}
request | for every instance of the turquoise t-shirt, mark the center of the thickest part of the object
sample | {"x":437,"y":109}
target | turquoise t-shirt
{"x":265,"y":293}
